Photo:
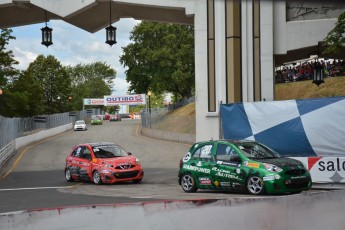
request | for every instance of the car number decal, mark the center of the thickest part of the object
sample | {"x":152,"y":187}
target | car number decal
{"x":187,"y":157}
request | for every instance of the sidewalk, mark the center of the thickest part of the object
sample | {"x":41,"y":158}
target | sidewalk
{"x":328,"y":186}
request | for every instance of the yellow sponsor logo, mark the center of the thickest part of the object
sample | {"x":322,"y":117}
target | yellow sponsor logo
{"x":253,"y":165}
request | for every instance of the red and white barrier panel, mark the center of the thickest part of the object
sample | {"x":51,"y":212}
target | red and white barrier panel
{"x":325,"y":169}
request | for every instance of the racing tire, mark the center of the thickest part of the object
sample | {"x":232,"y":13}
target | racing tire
{"x":255,"y":185}
{"x":188,"y":183}
{"x":96,"y":177}
{"x":68,"y":175}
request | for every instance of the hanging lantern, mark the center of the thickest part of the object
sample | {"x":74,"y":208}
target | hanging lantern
{"x":47,"y":34}
{"x":110,"y":31}
{"x":110,"y":35}
{"x":318,"y":74}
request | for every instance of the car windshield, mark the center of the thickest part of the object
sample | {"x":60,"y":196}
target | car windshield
{"x":109,"y":151}
{"x":254,"y":150}
{"x":79,"y":122}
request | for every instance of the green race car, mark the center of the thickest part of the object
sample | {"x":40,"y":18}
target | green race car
{"x":96,"y":121}
{"x":241,"y":166}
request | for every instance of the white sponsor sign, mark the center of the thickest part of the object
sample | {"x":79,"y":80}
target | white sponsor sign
{"x":93,"y":101}
{"x":325,"y":169}
{"x":137,"y":99}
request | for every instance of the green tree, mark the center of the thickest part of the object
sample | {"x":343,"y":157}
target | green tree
{"x":6,"y":58}
{"x":54,"y":82}
{"x":335,"y":39}
{"x":25,"y":97}
{"x":7,"y":71}
{"x":160,"y":59}
{"x":90,"y":81}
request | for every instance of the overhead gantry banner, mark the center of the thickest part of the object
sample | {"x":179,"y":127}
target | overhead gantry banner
{"x":111,"y":100}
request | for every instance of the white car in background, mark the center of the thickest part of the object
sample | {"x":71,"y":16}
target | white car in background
{"x":80,"y":125}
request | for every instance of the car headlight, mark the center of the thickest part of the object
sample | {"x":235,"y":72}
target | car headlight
{"x":137,"y":161}
{"x":272,"y":168}
{"x":107,"y":165}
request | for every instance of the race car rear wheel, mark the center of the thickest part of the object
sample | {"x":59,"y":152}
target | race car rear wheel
{"x":255,"y":185}
{"x":97,"y":177}
{"x":68,"y":175}
{"x":188,"y":183}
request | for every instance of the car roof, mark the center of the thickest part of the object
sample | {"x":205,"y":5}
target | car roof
{"x":95,"y":144}
{"x":226,"y":140}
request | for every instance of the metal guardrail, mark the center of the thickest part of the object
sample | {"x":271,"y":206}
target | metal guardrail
{"x":6,"y":153}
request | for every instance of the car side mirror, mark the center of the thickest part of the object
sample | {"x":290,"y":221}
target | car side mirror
{"x":129,"y":153}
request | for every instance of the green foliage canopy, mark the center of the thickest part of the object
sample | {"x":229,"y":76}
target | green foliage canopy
{"x":6,"y":58}
{"x":54,"y":82}
{"x":161,"y":59}
{"x":335,"y":40}
{"x":90,"y":81}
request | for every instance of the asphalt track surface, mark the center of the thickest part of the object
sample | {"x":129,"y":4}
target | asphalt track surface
{"x":34,"y":177}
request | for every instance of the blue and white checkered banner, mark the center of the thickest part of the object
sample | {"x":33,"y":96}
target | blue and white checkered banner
{"x":309,"y":127}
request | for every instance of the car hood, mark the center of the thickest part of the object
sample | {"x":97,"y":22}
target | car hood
{"x":120,"y":160}
{"x":281,"y":162}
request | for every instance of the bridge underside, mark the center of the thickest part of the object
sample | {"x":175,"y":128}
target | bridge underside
{"x":305,"y":53}
{"x":92,"y":16}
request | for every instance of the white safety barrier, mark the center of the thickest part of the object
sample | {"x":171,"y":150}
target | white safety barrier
{"x":7,"y":152}
{"x":312,"y":211}
{"x":325,"y":169}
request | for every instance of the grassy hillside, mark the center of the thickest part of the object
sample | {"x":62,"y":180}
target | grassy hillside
{"x":183,"y":119}
{"x":333,"y":87}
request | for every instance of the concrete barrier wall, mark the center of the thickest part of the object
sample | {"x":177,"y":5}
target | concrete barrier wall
{"x":323,"y":210}
{"x":26,"y":140}
{"x":7,"y":152}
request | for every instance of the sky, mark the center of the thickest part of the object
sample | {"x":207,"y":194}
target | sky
{"x":72,"y":46}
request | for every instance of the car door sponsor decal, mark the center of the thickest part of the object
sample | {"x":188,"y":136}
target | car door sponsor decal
{"x":225,"y":184}
{"x":224,"y":173}
{"x":228,"y":163}
{"x":197,"y":169}
{"x":205,"y":181}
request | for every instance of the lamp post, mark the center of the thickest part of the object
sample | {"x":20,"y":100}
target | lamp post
{"x":149,"y":94}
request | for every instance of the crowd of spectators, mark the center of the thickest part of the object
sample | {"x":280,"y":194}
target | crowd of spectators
{"x":305,"y":71}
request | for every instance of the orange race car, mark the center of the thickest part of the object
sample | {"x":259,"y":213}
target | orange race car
{"x":102,"y":162}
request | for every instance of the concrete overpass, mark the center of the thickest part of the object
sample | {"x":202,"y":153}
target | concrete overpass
{"x":237,"y":42}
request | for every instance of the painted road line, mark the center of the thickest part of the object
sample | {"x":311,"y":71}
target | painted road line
{"x":36,"y":188}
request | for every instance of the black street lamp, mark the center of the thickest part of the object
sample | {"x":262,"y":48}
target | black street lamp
{"x":110,"y":32}
{"x":47,"y":34}
{"x":318,"y":74}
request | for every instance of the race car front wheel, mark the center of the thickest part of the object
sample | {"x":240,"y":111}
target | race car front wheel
{"x":255,"y":185}
{"x":68,"y":175}
{"x":188,"y":183}
{"x":97,"y":177}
